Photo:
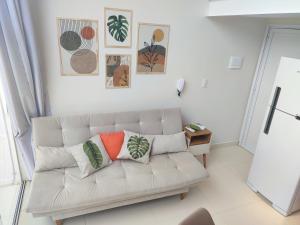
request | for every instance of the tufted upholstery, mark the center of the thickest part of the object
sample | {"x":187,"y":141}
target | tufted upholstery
{"x":61,"y":193}
{"x":71,"y":130}
{"x":64,"y":190}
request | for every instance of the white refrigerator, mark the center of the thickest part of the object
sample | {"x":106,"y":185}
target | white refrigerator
{"x":275,"y":170}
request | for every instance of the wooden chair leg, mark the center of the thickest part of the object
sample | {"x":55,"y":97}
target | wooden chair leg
{"x":183,"y":195}
{"x":59,"y":222}
{"x":204,"y":160}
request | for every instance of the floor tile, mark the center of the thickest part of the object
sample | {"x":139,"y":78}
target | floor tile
{"x":251,"y":214}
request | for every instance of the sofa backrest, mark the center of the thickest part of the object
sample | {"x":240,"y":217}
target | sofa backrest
{"x":70,"y":130}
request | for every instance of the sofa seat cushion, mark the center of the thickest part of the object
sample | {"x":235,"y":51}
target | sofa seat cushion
{"x":62,"y":189}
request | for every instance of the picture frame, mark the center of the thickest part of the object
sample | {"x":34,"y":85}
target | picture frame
{"x":146,"y":63}
{"x":114,"y":37}
{"x":78,"y":44}
{"x":117,"y":71}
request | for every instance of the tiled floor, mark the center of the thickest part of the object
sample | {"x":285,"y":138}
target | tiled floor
{"x":225,"y":194}
{"x":8,"y":202}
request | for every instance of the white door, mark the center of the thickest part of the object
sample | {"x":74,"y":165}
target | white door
{"x":275,"y":169}
{"x":281,"y":42}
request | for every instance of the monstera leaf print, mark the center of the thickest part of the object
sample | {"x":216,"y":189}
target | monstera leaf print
{"x":118,"y":27}
{"x":137,"y":146}
{"x":93,"y":153}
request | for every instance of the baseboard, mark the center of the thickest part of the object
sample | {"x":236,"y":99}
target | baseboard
{"x":224,"y":144}
{"x":281,"y":211}
{"x":252,"y":187}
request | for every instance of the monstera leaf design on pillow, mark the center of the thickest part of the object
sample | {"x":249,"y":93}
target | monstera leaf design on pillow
{"x":93,"y":153}
{"x":137,"y":146}
{"x":118,"y":27}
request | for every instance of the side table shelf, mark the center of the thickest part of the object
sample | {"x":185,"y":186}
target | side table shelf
{"x":199,"y":143}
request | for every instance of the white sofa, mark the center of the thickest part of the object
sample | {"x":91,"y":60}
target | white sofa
{"x":61,"y":194}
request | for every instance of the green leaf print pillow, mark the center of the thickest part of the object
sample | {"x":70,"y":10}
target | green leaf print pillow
{"x":136,"y":147}
{"x":90,"y":156}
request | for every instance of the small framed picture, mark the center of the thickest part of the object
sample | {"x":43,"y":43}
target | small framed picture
{"x":78,"y":46}
{"x":152,"y":48}
{"x":118,"y":71}
{"x":118,"y":28}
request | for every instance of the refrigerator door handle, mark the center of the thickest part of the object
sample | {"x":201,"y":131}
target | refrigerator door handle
{"x":272,"y":110}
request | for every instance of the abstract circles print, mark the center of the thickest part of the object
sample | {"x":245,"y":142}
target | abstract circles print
{"x":78,"y":43}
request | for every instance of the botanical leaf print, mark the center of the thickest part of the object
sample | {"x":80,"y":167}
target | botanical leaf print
{"x":137,"y":146}
{"x":118,"y":27}
{"x":93,"y":153}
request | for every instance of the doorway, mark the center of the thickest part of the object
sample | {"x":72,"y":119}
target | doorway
{"x":280,"y":41}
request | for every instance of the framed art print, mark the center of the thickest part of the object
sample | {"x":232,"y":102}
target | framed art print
{"x":152,"y":47}
{"x":118,"y":71}
{"x":118,"y":28}
{"x":78,"y":46}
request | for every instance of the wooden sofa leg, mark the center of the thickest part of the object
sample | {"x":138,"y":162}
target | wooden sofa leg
{"x":183,"y":195}
{"x":59,"y":222}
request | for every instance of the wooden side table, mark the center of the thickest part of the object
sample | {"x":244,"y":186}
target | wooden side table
{"x":199,"y":143}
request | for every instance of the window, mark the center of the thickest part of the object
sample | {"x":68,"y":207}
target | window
{"x":6,"y":163}
{"x":9,"y":169}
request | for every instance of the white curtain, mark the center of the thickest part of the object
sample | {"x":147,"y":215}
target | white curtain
{"x":22,"y":79}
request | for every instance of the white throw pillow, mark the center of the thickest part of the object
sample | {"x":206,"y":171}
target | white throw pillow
{"x":136,"y":147}
{"x":48,"y":158}
{"x":169,"y":143}
{"x":90,"y":156}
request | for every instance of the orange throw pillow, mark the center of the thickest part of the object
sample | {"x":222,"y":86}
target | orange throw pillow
{"x":112,"y":142}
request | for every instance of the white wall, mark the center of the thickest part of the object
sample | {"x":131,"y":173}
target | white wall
{"x":253,"y":7}
{"x":198,"y":48}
